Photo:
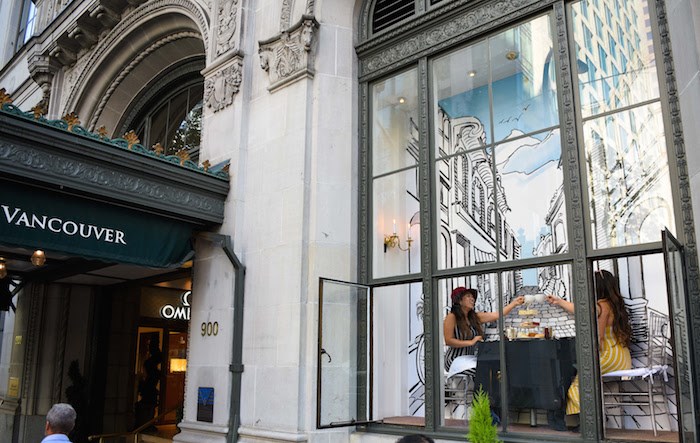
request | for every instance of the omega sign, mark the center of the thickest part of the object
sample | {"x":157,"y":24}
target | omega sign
{"x":178,"y":312}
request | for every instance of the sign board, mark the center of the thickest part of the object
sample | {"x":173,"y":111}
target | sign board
{"x":36,"y":218}
{"x":205,"y":405}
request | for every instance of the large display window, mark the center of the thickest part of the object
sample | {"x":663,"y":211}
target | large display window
{"x":519,"y":170}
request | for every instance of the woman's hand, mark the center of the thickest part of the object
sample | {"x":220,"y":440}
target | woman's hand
{"x":553,"y":300}
{"x":519,"y":300}
{"x":557,"y":301}
{"x":476,"y":340}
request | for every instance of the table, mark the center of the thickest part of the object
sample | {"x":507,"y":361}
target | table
{"x":539,"y":372}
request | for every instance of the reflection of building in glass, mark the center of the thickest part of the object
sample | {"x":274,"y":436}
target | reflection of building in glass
{"x":626,"y":153}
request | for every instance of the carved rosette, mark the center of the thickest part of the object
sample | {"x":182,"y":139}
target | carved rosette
{"x":227,"y":13}
{"x":288,"y":56}
{"x":221,"y":87}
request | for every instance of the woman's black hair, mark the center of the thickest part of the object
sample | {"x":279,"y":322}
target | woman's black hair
{"x":465,"y":321}
{"x":607,"y":287}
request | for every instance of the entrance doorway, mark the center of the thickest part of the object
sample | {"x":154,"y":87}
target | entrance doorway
{"x":160,"y":361}
{"x":159,"y":381}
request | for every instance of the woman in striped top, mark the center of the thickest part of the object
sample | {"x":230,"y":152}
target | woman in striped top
{"x":462,"y":326}
{"x":614,"y":332}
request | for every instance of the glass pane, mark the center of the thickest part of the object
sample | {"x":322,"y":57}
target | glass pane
{"x":396,"y":224}
{"x":158,"y":126}
{"x":540,"y":348}
{"x":177,"y":113}
{"x":640,"y":281}
{"x":511,"y":75}
{"x":343,"y":350}
{"x":395,"y":123}
{"x":628,"y":179}
{"x":523,"y":79}
{"x":399,"y":343}
{"x":188,"y":132}
{"x":459,"y":357}
{"x":675,"y":281}
{"x":615,"y":55}
{"x":467,"y":229}
{"x":530,"y":226}
{"x":461,"y":91}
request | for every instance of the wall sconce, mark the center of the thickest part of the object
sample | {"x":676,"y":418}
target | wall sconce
{"x":3,"y":268}
{"x":38,"y":258}
{"x":178,"y":365}
{"x":393,"y":240}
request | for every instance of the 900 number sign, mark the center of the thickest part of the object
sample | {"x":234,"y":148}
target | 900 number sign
{"x":209,"y":328}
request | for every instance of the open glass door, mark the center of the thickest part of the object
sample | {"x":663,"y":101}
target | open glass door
{"x":675,"y":282}
{"x":344,"y":350}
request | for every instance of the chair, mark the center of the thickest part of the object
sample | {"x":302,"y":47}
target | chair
{"x":459,"y":384}
{"x":641,"y":385}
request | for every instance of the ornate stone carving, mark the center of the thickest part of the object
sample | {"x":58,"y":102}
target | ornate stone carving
{"x":220,"y":88}
{"x":227,"y":14}
{"x":288,"y":56}
{"x":286,"y":14}
{"x":151,"y":8}
{"x":42,"y":68}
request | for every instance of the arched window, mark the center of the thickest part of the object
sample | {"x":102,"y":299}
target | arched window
{"x":173,"y":119}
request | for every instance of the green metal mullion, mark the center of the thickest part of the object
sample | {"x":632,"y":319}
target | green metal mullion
{"x":365,"y":188}
{"x":430,"y":304}
{"x":531,"y":262}
{"x":364,"y":250}
{"x":586,"y":346}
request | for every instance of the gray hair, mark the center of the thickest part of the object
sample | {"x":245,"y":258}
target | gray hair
{"x":61,"y":418}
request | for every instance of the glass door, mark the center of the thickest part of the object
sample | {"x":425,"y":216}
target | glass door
{"x":344,"y":350}
{"x":148,"y":373}
{"x":678,"y":302}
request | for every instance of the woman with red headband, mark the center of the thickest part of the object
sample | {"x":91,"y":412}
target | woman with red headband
{"x":462,"y":326}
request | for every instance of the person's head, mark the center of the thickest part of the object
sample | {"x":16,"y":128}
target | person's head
{"x":464,"y":298}
{"x":60,"y":419}
{"x":415,"y":438}
{"x":463,"y":301}
{"x":607,"y":288}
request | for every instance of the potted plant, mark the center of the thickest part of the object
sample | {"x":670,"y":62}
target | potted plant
{"x":481,"y":426}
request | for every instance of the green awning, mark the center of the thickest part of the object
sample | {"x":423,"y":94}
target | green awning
{"x":35,"y":218}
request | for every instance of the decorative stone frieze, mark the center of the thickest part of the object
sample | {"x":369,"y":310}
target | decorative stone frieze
{"x":227,"y":20}
{"x":288,"y":56}
{"x":392,"y":47}
{"x":221,"y":85}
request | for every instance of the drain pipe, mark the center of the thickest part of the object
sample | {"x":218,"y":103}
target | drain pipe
{"x":236,"y":366}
